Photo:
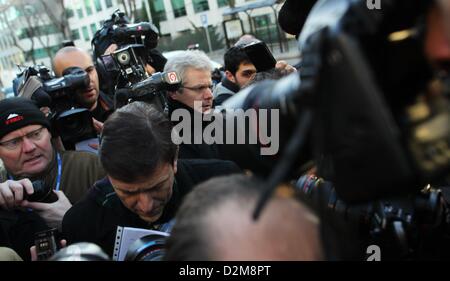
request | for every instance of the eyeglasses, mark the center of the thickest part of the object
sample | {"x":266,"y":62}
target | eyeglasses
{"x":17,"y":142}
{"x":199,"y":89}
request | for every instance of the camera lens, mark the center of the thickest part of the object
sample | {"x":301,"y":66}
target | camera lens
{"x":148,"y":248}
{"x":123,"y":57}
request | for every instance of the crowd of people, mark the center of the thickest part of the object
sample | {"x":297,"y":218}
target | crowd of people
{"x":204,"y":195}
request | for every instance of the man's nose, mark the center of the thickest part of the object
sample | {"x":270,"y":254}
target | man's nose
{"x":28,"y":145}
{"x":207,"y":94}
{"x":145,"y":203}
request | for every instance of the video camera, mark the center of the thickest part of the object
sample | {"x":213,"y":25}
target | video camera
{"x":72,"y":123}
{"x":125,"y":33}
{"x":358,"y":104}
{"x":151,"y":90}
{"x":57,"y":88}
{"x":126,"y":67}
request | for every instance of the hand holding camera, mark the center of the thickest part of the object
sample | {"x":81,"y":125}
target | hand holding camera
{"x":52,"y":213}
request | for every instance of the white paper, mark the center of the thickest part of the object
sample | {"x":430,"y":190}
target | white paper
{"x":84,"y":145}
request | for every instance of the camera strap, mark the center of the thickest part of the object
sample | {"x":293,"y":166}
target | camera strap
{"x":58,"y":177}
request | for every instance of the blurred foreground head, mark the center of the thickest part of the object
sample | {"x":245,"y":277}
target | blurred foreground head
{"x":215,"y":223}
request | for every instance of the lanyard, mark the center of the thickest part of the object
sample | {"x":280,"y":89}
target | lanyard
{"x":58,"y":177}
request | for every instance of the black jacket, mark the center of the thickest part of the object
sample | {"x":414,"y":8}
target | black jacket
{"x":224,"y":90}
{"x":193,"y":151}
{"x":104,"y":107}
{"x":96,"y":217}
{"x":245,"y":156}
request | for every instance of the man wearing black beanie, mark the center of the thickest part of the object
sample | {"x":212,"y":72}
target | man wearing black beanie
{"x":28,"y":155}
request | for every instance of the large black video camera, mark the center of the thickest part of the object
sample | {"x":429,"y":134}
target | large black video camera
{"x":125,"y":68}
{"x":151,"y":90}
{"x":69,"y":121}
{"x":358,"y":105}
{"x":59,"y":89}
{"x":124,"y":33}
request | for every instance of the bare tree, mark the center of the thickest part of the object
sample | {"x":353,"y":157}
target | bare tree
{"x":13,"y":27}
{"x":39,"y":24}
{"x":58,"y":17}
{"x":130,"y":9}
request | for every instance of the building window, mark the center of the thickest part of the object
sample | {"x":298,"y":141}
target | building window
{"x":87,"y":4}
{"x":108,"y":3}
{"x":70,"y":13}
{"x":75,"y":34}
{"x":42,"y":52}
{"x":93,"y":28}
{"x":98,"y":5}
{"x":85,"y":33}
{"x":158,"y":10}
{"x":179,"y":8}
{"x":200,"y":5}
{"x":80,"y":13}
{"x":222,"y":3}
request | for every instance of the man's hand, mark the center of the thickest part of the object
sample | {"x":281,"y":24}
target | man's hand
{"x":285,"y":68}
{"x":111,"y":49}
{"x":12,"y":193}
{"x":52,"y":213}
{"x":97,"y":125}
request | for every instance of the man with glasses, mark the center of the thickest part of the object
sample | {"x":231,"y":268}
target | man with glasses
{"x":194,"y":97}
{"x":28,"y":155}
{"x":145,"y":181}
{"x":195,"y":70}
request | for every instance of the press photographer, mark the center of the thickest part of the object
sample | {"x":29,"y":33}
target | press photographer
{"x":31,"y":160}
{"x":361,"y":104}
{"x":90,"y":97}
{"x":61,"y":101}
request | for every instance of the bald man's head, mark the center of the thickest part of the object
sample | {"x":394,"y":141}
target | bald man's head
{"x":76,"y":57}
{"x":215,"y":223}
{"x":286,"y":230}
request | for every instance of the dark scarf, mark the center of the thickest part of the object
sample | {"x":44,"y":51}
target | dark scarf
{"x":230,"y":85}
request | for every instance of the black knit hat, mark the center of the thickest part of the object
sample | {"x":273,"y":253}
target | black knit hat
{"x":16,"y":113}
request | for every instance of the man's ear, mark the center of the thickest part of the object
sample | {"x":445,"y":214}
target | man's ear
{"x":230,"y":76}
